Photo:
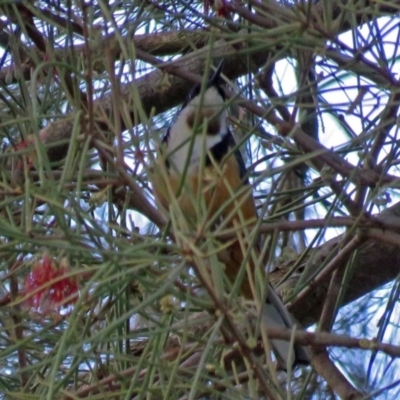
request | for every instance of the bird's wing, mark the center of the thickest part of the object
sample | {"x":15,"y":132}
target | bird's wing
{"x":274,"y":311}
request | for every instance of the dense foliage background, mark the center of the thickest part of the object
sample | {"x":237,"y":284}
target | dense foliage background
{"x":100,"y":292}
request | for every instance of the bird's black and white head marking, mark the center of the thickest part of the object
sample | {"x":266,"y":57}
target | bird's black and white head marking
{"x":202,"y":113}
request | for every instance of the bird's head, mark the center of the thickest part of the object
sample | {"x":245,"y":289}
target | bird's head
{"x":200,"y":124}
{"x":207,"y":107}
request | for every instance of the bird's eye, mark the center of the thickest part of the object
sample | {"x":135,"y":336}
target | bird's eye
{"x":190,"y":119}
{"x":213,"y":127}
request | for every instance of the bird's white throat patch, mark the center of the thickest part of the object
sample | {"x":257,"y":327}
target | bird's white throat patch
{"x":210,"y":130}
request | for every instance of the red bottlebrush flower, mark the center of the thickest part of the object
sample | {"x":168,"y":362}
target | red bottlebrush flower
{"x":49,"y":288}
{"x":29,"y":157}
{"x":220,"y":6}
{"x":20,"y":145}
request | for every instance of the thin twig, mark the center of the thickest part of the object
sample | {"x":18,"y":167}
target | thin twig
{"x":335,"y":263}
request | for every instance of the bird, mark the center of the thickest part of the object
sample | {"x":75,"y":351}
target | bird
{"x":198,"y":156}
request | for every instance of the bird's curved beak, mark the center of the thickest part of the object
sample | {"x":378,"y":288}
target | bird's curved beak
{"x":215,"y":78}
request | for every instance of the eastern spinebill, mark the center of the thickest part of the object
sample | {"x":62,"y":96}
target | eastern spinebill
{"x":198,"y":154}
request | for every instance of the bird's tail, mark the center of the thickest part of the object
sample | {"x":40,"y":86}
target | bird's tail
{"x":275,"y":314}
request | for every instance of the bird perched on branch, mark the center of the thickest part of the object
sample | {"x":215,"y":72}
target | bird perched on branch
{"x":201,"y":169}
